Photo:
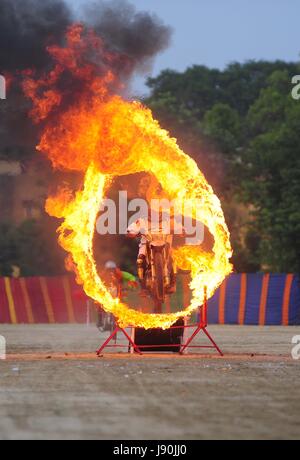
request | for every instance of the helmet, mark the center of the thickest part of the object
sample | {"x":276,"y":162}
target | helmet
{"x":110,"y":265}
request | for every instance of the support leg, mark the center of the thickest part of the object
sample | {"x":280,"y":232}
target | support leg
{"x":113,"y":335}
{"x":131,"y":342}
{"x":107,"y":340}
{"x":212,"y":341}
{"x":190,"y":339}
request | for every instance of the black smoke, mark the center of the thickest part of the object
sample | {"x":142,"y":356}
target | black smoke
{"x":27,"y":27}
{"x":137,"y":35}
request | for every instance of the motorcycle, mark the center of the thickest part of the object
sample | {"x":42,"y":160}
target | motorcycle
{"x":159,"y":270}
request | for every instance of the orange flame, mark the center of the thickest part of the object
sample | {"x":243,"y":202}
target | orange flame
{"x":106,"y":136}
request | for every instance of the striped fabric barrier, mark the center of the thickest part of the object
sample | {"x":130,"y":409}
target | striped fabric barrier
{"x":41,"y":300}
{"x":260,"y":299}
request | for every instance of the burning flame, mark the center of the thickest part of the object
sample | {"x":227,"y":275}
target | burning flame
{"x":105,"y":136}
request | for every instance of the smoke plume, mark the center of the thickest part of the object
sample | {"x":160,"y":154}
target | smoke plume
{"x":29,"y":27}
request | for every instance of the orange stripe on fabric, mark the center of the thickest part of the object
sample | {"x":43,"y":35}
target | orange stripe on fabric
{"x":11,"y":303}
{"x":69,"y":301}
{"x":47,"y":300}
{"x":263,"y":299}
{"x":286,"y":299}
{"x":27,"y":301}
{"x":243,"y":293}
{"x":222,"y":302}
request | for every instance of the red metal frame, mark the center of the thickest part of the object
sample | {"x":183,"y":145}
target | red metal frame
{"x":200,"y":326}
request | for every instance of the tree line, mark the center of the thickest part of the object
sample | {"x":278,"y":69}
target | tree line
{"x":242,"y":126}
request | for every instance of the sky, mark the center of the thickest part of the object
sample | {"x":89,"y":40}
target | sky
{"x":217,"y":32}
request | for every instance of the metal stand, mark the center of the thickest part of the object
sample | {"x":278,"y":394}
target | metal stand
{"x":106,"y":344}
{"x":200,"y":326}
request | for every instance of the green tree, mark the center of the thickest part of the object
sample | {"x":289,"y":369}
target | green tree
{"x":223,"y":125}
{"x":32,"y":246}
{"x":240,"y":125}
{"x":271,"y":174}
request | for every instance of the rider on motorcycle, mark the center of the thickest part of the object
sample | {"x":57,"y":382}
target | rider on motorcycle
{"x":143,"y":227}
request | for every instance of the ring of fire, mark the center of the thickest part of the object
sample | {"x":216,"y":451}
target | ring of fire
{"x":104,"y":136}
{"x":76,"y":237}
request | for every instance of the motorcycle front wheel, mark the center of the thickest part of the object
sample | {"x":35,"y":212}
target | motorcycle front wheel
{"x":159,"y":289}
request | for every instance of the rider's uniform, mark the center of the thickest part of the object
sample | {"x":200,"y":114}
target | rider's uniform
{"x":140,"y":226}
{"x":144,"y":228}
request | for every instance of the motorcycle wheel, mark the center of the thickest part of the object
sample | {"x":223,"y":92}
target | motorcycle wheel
{"x":157,"y":306}
{"x":159,"y":271}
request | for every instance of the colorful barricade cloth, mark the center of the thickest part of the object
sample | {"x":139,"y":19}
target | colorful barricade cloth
{"x":252,"y":299}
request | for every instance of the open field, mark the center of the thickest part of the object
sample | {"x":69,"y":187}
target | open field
{"x":53,"y":386}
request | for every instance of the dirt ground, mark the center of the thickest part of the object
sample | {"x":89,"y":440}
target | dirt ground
{"x":52,"y":386}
